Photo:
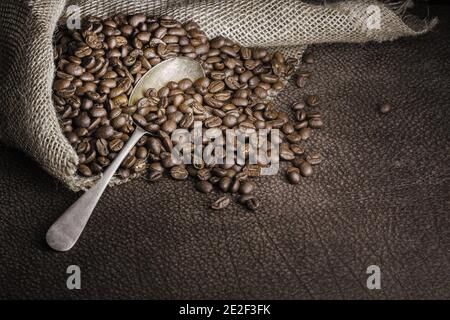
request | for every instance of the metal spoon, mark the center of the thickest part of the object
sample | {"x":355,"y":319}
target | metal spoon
{"x":65,"y":231}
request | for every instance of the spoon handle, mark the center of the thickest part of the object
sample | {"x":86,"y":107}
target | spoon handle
{"x":65,"y":231}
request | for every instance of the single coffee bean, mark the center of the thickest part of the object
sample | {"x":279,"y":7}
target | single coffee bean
{"x":179,"y":173}
{"x":102,"y":147}
{"x":154,"y":176}
{"x":140,"y":165}
{"x":286,"y":153}
{"x":288,"y":128}
{"x":84,"y":170}
{"x":141,"y":153}
{"x":221,"y":203}
{"x":204,"y":186}
{"x":385,"y":108}
{"x":297,"y":149}
{"x":312,"y":100}
{"x":154,"y":145}
{"x":167,"y":160}
{"x":156,"y":166}
{"x":169,"y":126}
{"x":314,"y":157}
{"x":235,"y":186}
{"x":203,"y":174}
{"x":294,"y":137}
{"x":315,"y":123}
{"x":249,"y":201}
{"x":306,"y":169}
{"x":225,"y":183}
{"x":301,"y":81}
{"x":116,"y":145}
{"x":230,"y":121}
{"x":83,"y":120}
{"x":104,"y":132}
{"x":293,"y":175}
{"x":246,"y":187}
{"x":304,"y":133}
{"x":298,"y":106}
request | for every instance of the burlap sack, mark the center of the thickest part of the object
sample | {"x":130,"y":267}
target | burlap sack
{"x":28,"y":119}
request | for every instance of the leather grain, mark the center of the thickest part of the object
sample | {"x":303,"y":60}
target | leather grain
{"x":380,"y":197}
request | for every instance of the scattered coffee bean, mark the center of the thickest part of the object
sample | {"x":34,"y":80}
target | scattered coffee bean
{"x":246,"y":187}
{"x":306,"y":169}
{"x":312,"y":100}
{"x":221,"y":203}
{"x":385,"y":108}
{"x":293,"y":175}
{"x":314,"y":158}
{"x":179,"y":173}
{"x":204,"y":186}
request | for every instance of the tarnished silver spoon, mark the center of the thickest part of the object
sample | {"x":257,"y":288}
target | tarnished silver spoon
{"x":65,"y":231}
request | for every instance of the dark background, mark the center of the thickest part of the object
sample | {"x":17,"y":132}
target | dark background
{"x":380,"y":197}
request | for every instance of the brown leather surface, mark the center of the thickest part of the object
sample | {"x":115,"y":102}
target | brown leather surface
{"x":380,"y":197}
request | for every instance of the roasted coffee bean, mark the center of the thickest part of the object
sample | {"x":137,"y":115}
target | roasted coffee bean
{"x":156,"y":166}
{"x":304,"y":134}
{"x":140,"y":165}
{"x":312,"y":100}
{"x":286,"y":153}
{"x":302,"y":79}
{"x":293,"y":175}
{"x":116,"y":145}
{"x":104,"y":132}
{"x":203,"y":174}
{"x":83,"y":120}
{"x":246,"y":187}
{"x":169,"y":126}
{"x":385,"y":108}
{"x":297,"y":149}
{"x":74,"y":69}
{"x":84,"y":170}
{"x":298,"y":106}
{"x":179,"y":172}
{"x":221,"y":203}
{"x":225,"y":183}
{"x":300,"y":115}
{"x":204,"y":186}
{"x":167,"y":160}
{"x":165,"y":140}
{"x":153,"y":176}
{"x":306,"y":169}
{"x":102,"y":147}
{"x":235,"y":186}
{"x":212,"y":122}
{"x":315,"y":123}
{"x":98,"y":112}
{"x":288,"y":128}
{"x":141,"y":153}
{"x":251,"y":202}
{"x":294,"y":137}
{"x":154,"y":145}
{"x":314,"y":157}
{"x":129,"y":161}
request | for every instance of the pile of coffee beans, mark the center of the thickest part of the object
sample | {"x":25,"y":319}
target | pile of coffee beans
{"x":97,"y":67}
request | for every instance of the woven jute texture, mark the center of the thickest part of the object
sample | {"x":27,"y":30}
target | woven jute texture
{"x":28,"y":119}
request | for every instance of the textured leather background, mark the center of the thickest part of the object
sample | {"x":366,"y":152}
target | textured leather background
{"x":380,"y":197}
